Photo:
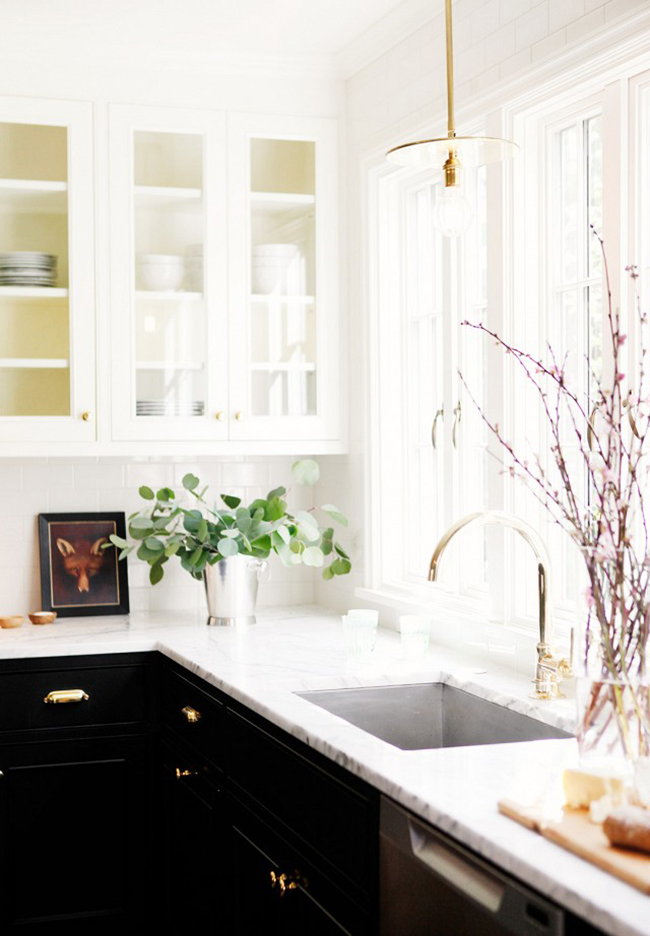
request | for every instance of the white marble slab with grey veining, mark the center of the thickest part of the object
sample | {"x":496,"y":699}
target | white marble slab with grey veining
{"x":456,"y":789}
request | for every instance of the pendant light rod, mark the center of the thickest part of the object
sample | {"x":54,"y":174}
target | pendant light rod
{"x":451,"y":129}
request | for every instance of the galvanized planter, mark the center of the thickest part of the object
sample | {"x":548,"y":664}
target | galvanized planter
{"x":231,"y":589}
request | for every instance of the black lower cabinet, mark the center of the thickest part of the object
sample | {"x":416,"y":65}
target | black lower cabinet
{"x":274,"y":892}
{"x":192,"y":847}
{"x":74,"y":835}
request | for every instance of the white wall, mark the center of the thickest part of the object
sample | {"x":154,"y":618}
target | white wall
{"x":390,"y":100}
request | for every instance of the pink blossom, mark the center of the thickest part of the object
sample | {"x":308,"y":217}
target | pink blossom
{"x":622,"y":339}
{"x":589,"y":597}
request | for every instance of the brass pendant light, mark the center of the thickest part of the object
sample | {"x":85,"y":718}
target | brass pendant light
{"x":452,"y":154}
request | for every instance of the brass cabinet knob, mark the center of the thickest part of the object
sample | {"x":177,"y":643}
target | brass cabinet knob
{"x":66,"y":695}
{"x":239,"y":415}
{"x":191,"y":714}
{"x":85,"y":416}
{"x":287,"y":882}
{"x":179,"y":774}
{"x":220,"y":415}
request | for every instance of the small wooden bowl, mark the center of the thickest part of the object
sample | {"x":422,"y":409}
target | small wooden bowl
{"x":43,"y":617}
{"x":11,"y":620}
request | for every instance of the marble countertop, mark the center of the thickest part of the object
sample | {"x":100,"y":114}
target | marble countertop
{"x":456,"y":789}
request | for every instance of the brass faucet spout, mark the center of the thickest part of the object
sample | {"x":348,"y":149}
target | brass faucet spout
{"x":549,"y":671}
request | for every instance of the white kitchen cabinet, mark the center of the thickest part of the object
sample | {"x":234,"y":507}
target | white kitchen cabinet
{"x":283,"y":289}
{"x":169,"y":327}
{"x":232,"y":339}
{"x":47,"y":324}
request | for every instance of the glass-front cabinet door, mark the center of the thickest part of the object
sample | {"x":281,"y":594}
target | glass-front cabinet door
{"x":169,"y":273}
{"x":283,"y":289}
{"x":47,"y":301}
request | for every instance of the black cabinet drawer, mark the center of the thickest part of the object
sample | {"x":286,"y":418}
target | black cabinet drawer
{"x":334,"y":823}
{"x":116,"y":694}
{"x":192,"y":715}
{"x":275,"y":891}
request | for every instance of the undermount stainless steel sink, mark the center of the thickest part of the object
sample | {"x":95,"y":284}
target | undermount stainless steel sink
{"x":430,"y":715}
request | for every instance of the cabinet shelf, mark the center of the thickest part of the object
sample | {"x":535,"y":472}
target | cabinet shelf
{"x":33,"y":196}
{"x":32,"y":292}
{"x":169,"y":365}
{"x":282,"y":203}
{"x":165,"y":196}
{"x":29,"y":363}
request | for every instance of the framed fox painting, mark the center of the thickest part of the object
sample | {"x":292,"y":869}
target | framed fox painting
{"x":80,"y":572}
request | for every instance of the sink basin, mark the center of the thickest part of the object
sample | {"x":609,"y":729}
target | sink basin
{"x":430,"y":715}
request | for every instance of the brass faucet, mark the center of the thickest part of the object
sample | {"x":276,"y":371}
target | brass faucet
{"x":549,"y":671}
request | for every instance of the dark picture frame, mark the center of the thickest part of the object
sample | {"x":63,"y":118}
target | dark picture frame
{"x":78,"y":577}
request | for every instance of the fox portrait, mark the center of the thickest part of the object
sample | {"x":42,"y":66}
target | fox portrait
{"x":83,"y":564}
{"x":82,"y":560}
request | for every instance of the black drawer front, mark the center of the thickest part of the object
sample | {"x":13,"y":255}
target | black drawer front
{"x":330,"y":819}
{"x":192,"y":715}
{"x":116,"y":695}
{"x":311,"y":905}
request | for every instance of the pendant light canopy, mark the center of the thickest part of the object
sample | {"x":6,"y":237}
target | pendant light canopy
{"x":452,"y":154}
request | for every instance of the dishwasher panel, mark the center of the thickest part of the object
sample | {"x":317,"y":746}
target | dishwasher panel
{"x":431,"y":886}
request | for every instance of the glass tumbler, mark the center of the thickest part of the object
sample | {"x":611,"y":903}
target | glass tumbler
{"x":360,"y":626}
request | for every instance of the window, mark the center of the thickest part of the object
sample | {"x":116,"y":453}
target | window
{"x":530,"y":269}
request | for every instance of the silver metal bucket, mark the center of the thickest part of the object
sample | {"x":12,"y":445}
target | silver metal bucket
{"x":231,"y":589}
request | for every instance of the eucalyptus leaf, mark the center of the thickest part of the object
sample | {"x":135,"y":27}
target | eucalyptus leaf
{"x":156,"y":573}
{"x":117,"y":541}
{"x":306,"y":471}
{"x":231,"y":501}
{"x":313,"y":556}
{"x":202,"y":531}
{"x":146,"y":493}
{"x":335,"y":514}
{"x":141,"y":523}
{"x":228,"y":547}
{"x":154,"y":544}
{"x":190,"y":482}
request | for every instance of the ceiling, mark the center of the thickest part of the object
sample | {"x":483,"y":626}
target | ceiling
{"x":178,"y":28}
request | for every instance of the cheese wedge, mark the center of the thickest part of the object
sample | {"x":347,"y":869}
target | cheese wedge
{"x":584,"y":786}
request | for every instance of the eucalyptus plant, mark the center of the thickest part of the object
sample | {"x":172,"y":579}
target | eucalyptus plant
{"x":203,"y":533}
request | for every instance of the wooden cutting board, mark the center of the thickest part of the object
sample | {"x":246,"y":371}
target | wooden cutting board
{"x":579,"y":835}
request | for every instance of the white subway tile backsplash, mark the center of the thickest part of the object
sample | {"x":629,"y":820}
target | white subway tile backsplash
{"x":532,"y":27}
{"x":80,"y":485}
{"x":563,"y":12}
{"x":99,"y":476}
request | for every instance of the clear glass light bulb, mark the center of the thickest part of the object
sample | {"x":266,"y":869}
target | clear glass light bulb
{"x":452,"y":214}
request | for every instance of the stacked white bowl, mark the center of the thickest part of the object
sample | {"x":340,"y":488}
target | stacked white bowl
{"x":273,"y":266}
{"x":159,"y":272}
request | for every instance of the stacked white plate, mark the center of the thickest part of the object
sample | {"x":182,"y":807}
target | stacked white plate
{"x":27,"y":268}
{"x":275,"y":269}
{"x":169,"y":408}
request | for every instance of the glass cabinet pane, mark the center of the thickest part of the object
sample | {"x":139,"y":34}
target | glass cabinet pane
{"x":34,"y":308}
{"x":282,"y":301}
{"x":170,"y":317}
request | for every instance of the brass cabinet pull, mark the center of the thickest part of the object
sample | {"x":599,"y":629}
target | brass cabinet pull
{"x":66,"y":695}
{"x":239,"y":415}
{"x":457,"y":415}
{"x":220,"y":415}
{"x":434,"y":428}
{"x":287,"y":882}
{"x":191,"y":714}
{"x":179,"y":774}
{"x":85,"y":416}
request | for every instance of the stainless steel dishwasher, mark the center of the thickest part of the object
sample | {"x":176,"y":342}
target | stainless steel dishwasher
{"x":431,"y":886}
